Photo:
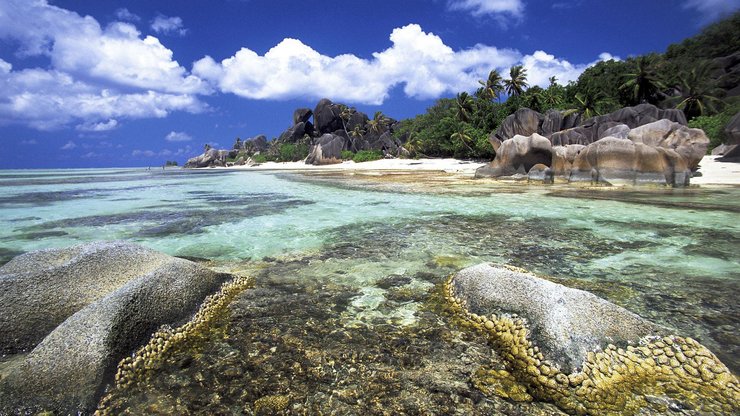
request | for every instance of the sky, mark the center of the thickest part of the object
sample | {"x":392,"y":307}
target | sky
{"x":90,"y":83}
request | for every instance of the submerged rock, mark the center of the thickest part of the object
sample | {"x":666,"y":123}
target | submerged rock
{"x":92,"y":305}
{"x":586,"y":354}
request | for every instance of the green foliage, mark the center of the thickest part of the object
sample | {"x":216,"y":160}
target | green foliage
{"x":719,"y":39}
{"x":259,"y":158}
{"x":290,"y":152}
{"x":367,"y":155}
{"x":347,"y":155}
{"x":171,"y":163}
{"x":714,"y":125}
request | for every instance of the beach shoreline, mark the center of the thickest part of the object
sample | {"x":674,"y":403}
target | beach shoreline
{"x":713,"y":172}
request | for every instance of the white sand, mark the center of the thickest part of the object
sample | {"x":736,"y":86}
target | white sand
{"x":713,"y":172}
{"x":439,"y":165}
{"x":717,"y":173}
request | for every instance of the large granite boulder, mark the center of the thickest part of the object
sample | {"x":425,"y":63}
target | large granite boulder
{"x":576,"y":135}
{"x":89,"y":306}
{"x":296,"y":133}
{"x":256,"y":144}
{"x":524,"y":122}
{"x":732,"y":130}
{"x":302,"y":115}
{"x":563,"y":157}
{"x":517,"y":156}
{"x":326,"y":117}
{"x":565,"y":323}
{"x":327,"y":150}
{"x":211,"y":157}
{"x":623,"y":162}
{"x":620,"y":131}
{"x":690,"y":143}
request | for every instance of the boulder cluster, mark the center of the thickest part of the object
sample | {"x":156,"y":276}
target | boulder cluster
{"x":633,"y":145}
{"x":325,"y":131}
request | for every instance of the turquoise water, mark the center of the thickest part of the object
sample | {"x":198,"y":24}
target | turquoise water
{"x":668,"y":255}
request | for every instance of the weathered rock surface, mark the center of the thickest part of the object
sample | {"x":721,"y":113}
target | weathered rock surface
{"x":211,"y":157}
{"x":326,"y":150}
{"x":618,"y":161}
{"x":524,"y":122}
{"x":620,"y":131}
{"x":326,"y":117}
{"x":89,"y":305}
{"x":732,"y":130}
{"x":517,"y":156}
{"x":302,"y":115}
{"x":690,"y":143}
{"x":563,"y":157}
{"x":565,"y":323}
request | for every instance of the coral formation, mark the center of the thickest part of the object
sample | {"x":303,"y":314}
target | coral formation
{"x":148,"y":358}
{"x":658,"y":374}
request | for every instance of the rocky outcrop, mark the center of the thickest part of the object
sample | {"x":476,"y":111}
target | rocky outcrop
{"x":524,"y":122}
{"x":211,"y":157}
{"x":732,"y":130}
{"x":623,"y":162}
{"x":517,"y":156}
{"x":563,"y":157}
{"x":326,"y":115}
{"x":82,"y":309}
{"x":327,"y":150}
{"x":690,"y":143}
{"x":302,"y":115}
{"x":585,"y":354}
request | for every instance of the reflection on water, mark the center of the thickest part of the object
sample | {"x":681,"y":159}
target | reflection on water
{"x":347,"y":269}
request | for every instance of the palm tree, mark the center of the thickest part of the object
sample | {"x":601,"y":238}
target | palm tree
{"x":464,"y":104}
{"x":379,"y":122}
{"x":588,"y":104}
{"x":698,"y":92}
{"x":517,"y":82}
{"x":553,"y":80}
{"x":462,"y":136}
{"x":493,"y":86}
{"x":643,"y":83}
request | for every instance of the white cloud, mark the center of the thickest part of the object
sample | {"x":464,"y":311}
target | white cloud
{"x":144,"y":153}
{"x":91,"y":155}
{"x":512,"y":8}
{"x":69,"y":145}
{"x":712,"y":9}
{"x":30,"y":142}
{"x":79,"y":46}
{"x":96,"y":75}
{"x":420,"y":61}
{"x":178,"y":136}
{"x":98,"y":127}
{"x":125,"y":15}
{"x":168,"y":25}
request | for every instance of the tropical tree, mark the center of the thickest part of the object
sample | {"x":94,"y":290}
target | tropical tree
{"x":588,"y":104}
{"x":698,"y":92}
{"x":517,"y":82}
{"x":643,"y":82}
{"x":462,"y":136}
{"x":464,"y":106}
{"x":379,"y":122}
{"x":493,"y":86}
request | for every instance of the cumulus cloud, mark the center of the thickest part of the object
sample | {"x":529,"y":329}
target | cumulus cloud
{"x":421,"y":62}
{"x":496,"y":8}
{"x":125,"y":15}
{"x":168,"y":25}
{"x":178,"y":136}
{"x":69,"y":145}
{"x":95,"y":76}
{"x":712,"y":9}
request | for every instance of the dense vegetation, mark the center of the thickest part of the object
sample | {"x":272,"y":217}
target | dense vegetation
{"x":687,"y":76}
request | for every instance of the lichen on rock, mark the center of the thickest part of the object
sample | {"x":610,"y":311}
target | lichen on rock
{"x":648,"y":374}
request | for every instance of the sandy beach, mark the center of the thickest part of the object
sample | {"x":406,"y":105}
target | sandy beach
{"x":713,"y":172}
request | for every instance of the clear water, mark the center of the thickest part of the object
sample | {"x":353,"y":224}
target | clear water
{"x":382,"y":246}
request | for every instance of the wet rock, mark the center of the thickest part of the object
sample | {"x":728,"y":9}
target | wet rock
{"x":540,"y":173}
{"x":563,"y":157}
{"x":92,"y":305}
{"x":565,"y":323}
{"x":517,"y":156}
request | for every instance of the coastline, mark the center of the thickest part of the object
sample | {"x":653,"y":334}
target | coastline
{"x":713,"y":172}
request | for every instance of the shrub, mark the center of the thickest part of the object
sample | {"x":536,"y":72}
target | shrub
{"x":292,"y":152}
{"x":347,"y":155}
{"x":367,"y":155}
{"x":259,"y":158}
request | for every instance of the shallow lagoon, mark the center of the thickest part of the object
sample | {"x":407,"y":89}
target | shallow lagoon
{"x":350,"y":265}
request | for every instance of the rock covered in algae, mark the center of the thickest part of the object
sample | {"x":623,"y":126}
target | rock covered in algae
{"x":116,"y":293}
{"x":524,"y":317}
{"x":565,"y":323}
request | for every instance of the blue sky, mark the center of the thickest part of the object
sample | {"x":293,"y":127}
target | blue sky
{"x":91,"y":83}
